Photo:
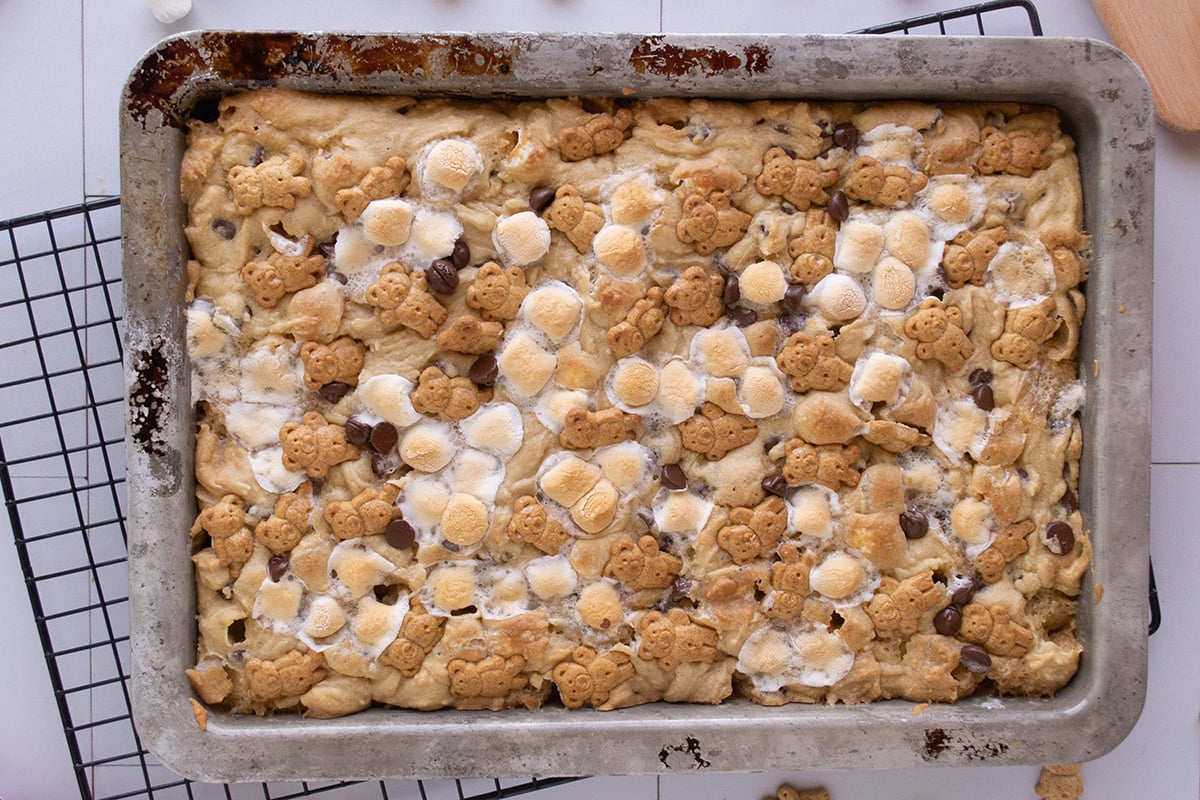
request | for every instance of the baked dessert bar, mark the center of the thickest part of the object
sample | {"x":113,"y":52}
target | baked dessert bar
{"x":607,"y":402}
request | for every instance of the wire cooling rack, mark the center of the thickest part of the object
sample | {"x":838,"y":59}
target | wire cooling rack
{"x":62,"y":472}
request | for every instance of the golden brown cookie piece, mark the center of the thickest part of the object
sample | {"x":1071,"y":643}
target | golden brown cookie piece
{"x":811,"y":362}
{"x":786,"y":792}
{"x":404,"y":299}
{"x":831,"y":465}
{"x":895,"y":437}
{"x":532,"y":525}
{"x":1010,"y":543}
{"x":468,"y":334}
{"x":937,"y":328}
{"x":491,"y":678}
{"x":379,"y":183}
{"x":713,"y":431}
{"x":897,"y":606}
{"x":640,"y":325}
{"x":1017,"y":152}
{"x":889,"y":186}
{"x":589,"y":678}
{"x":314,"y":445}
{"x":225,"y":524}
{"x":710,"y":222}
{"x":367,"y":514}
{"x":496,"y":293}
{"x":1025,"y":330}
{"x":596,"y":135}
{"x":585,"y":429}
{"x":812,"y":250}
{"x":968,"y":255}
{"x":696,"y":298}
{"x":1060,"y":782}
{"x":642,"y":565}
{"x":673,"y":639}
{"x":290,"y":675}
{"x":337,"y":362}
{"x":569,"y":213}
{"x":210,"y":681}
{"x":419,"y":633}
{"x":199,"y":713}
{"x":752,"y":533}
{"x":279,"y":275}
{"x":446,"y":398}
{"x":275,"y":182}
{"x":790,"y":580}
{"x":284,"y":529}
{"x":801,"y":182}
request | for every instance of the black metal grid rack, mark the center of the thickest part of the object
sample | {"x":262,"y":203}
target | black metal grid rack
{"x":62,"y":473}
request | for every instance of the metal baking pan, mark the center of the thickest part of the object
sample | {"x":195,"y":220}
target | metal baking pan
{"x":1107,"y":107}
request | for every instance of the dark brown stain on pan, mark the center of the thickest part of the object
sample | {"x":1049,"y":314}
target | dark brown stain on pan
{"x":654,"y":54}
{"x":146,"y":398}
{"x":938,"y":742}
{"x":263,"y":59}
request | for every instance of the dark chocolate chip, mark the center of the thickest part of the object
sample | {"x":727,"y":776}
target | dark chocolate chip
{"x":384,"y":464}
{"x":461,"y":255}
{"x":441,"y":276}
{"x":673,"y":477}
{"x":1022,"y":474}
{"x":980,"y":376}
{"x":258,"y":156}
{"x":449,"y":545}
{"x":680,"y":589}
{"x":975,"y":659}
{"x":1059,"y":538}
{"x":384,"y":437}
{"x":277,"y":565}
{"x":948,"y":621}
{"x":485,"y":370}
{"x":733,"y":291}
{"x":775,"y":484}
{"x":333,"y":392}
{"x":793,"y":298}
{"x":914,"y":523}
{"x":224,"y":228}
{"x":838,"y":206}
{"x":339,"y":277}
{"x":541,"y":197}
{"x":965,"y":593}
{"x":327,"y":249}
{"x":845,"y":135}
{"x":400,"y":534}
{"x":983,"y":397}
{"x":742,"y":317}
{"x":1069,"y":501}
{"x":358,"y":431}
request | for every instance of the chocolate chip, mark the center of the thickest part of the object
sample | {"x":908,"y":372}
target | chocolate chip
{"x":673,"y":477}
{"x":965,"y":593}
{"x":333,"y":392}
{"x":258,"y":156}
{"x":541,"y":197}
{"x":1022,"y":474}
{"x":449,"y":545}
{"x":937,"y":292}
{"x":775,"y":484}
{"x":980,"y":376}
{"x":914,"y":523}
{"x":441,"y":276}
{"x":1069,"y":501}
{"x":838,"y":206}
{"x":947,"y":621}
{"x":224,"y":228}
{"x":277,"y":565}
{"x":485,"y":370}
{"x":845,"y":135}
{"x":975,"y":659}
{"x":327,"y":249}
{"x":983,"y":397}
{"x":384,"y":464}
{"x":681,"y":589}
{"x":358,"y":431}
{"x":400,"y":534}
{"x":384,"y":437}
{"x":793,"y":298}
{"x":742,"y":317}
{"x":1059,"y":538}
{"x":461,"y":255}
{"x":733,"y":291}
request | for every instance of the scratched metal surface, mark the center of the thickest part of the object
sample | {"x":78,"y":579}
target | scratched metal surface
{"x":1107,"y":108}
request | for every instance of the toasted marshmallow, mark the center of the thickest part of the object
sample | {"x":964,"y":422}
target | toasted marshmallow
{"x":376,"y":625}
{"x":256,"y":425}
{"x":390,"y":398}
{"x":766,"y":652}
{"x":387,"y":222}
{"x":554,"y":405}
{"x":620,"y":249}
{"x":569,"y":479}
{"x":271,"y":375}
{"x":906,"y":237}
{"x":763,"y":282}
{"x":525,"y":365}
{"x":960,"y":428}
{"x":422,"y":501}
{"x":823,"y":658}
{"x":634,"y":383}
{"x":595,"y":510}
{"x":523,"y":238}
{"x":453,"y":586}
{"x":577,"y":368}
{"x":599,"y":606}
{"x":271,"y":474}
{"x":1021,"y":274}
{"x":878,"y":378}
{"x":839,"y":575}
{"x":316,"y":312}
{"x":636,"y":201}
{"x":476,"y":473}
{"x":433,"y":234}
{"x":325,"y":618}
{"x":722,"y":352}
{"x":949,"y":201}
{"x":464,"y":520}
{"x":859,"y":245}
{"x":762,"y":393}
{"x":351,"y":251}
{"x":839,"y":297}
{"x":893,"y":284}
{"x":495,"y":428}
{"x":554,"y":309}
{"x":971,"y":521}
{"x":278,"y":602}
{"x":954,"y":204}
{"x":812,"y":512}
{"x":681,"y":512}
{"x":551,"y":577}
{"x":827,"y":418}
{"x":680,"y":390}
{"x":428,"y":447}
{"x":627,"y":465}
{"x":358,"y":570}
{"x":452,"y":163}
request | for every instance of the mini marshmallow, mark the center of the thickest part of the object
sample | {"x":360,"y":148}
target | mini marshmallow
{"x":352,"y":252}
{"x":681,"y":512}
{"x":894,"y":284}
{"x":762,"y":393}
{"x":495,"y":428}
{"x":387,"y":222}
{"x":427,"y":447}
{"x":525,"y":365}
{"x":476,"y":473}
{"x":859,"y":245}
{"x":523,"y":238}
{"x":569,"y":480}
{"x":950,"y":203}
{"x":553,"y":406}
{"x":422,"y":501}
{"x":551,"y":577}
{"x":763,"y":282}
{"x":278,"y":602}
{"x":839,"y":575}
{"x":722,"y":352}
{"x":636,"y":201}
{"x":257,"y":425}
{"x":620,"y":249}
{"x":823,"y":658}
{"x":358,"y":570}
{"x":271,"y":375}
{"x":827,"y":418}
{"x":453,"y":586}
{"x":971,"y":521}
{"x":906,"y":237}
{"x":634,"y":382}
{"x":766,"y":652}
{"x":599,"y":606}
{"x":595,"y":510}
{"x":433,"y":235}
{"x":839,"y":298}
{"x":271,"y":474}
{"x":464,"y":520}
{"x":452,"y":164}
{"x":168,"y":11}
{"x":680,"y":391}
{"x":376,"y":625}
{"x":554,"y":309}
{"x":325,"y":618}
{"x":389,"y":397}
{"x":812,"y":513}
{"x":627,"y":465}
{"x":878,"y":378}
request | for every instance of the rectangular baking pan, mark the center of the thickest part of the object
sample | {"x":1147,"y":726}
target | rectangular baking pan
{"x":1107,"y":108}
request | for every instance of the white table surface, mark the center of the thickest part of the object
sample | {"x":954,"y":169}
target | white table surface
{"x":62,"y":66}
